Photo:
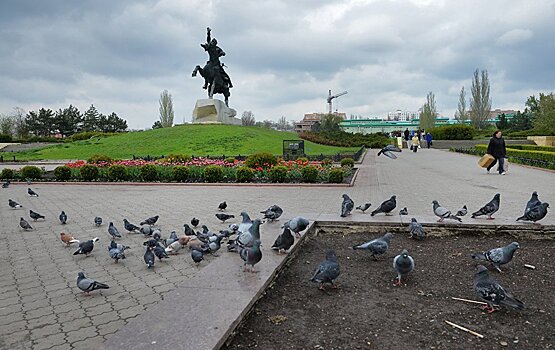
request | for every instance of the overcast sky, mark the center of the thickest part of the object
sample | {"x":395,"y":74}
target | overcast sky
{"x":283,"y":56}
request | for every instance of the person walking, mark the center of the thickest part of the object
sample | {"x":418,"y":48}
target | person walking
{"x":496,"y":148}
{"x":429,"y":139}
{"x":415,"y":142}
{"x":407,"y":137}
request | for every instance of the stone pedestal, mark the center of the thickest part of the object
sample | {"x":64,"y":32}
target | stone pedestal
{"x":214,"y":111}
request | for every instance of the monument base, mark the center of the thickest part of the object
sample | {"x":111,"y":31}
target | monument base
{"x":214,"y":111}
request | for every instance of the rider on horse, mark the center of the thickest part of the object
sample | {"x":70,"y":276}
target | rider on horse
{"x":213,"y":64}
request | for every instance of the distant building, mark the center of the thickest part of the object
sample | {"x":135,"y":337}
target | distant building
{"x":402,"y":116}
{"x":370,"y":126}
{"x":312,"y":118}
{"x":497,"y":112}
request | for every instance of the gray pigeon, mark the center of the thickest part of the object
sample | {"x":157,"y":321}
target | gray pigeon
{"x":416,"y":230}
{"x":251,"y":255}
{"x":14,"y":205}
{"x":197,"y":256}
{"x":248,"y":238}
{"x":146,"y":230}
{"x":462,"y":212}
{"x":24,"y":224}
{"x":116,"y":251}
{"x":386,"y":151}
{"x":272,"y":213}
{"x":223,"y":216}
{"x":87,"y":285}
{"x":63,"y":218}
{"x":403,"y":265}
{"x":97,"y":221}
{"x":376,"y":246}
{"x":130,"y":227}
{"x":327,"y":271}
{"x":35,"y":216}
{"x":386,"y":207}
{"x":246,"y":223}
{"x":364,"y":207}
{"x":149,"y":257}
{"x":443,"y":213}
{"x":346,"y":206}
{"x":172,"y":238}
{"x":404,"y":211}
{"x":532,"y":203}
{"x":32,"y":193}
{"x":535,"y":214}
{"x":113,"y":231}
{"x":284,"y":241}
{"x":86,"y":247}
{"x":489,"y":209}
{"x":194,"y":222}
{"x":297,"y":225}
{"x":150,"y":221}
{"x":188,"y":230}
{"x":6,"y":184}
{"x":498,"y":256}
{"x":492,"y":292}
{"x":160,"y":252}
{"x":222,"y":206}
{"x":214,"y":245}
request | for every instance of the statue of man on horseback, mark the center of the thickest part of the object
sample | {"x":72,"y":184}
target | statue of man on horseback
{"x":216,"y":80}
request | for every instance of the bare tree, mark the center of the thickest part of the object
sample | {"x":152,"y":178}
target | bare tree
{"x":282,"y":123}
{"x":461,"y":114}
{"x":7,"y":124}
{"x":166,"y":109}
{"x":247,"y":119}
{"x":480,"y":102}
{"x":21,"y":127}
{"x":428,"y":114}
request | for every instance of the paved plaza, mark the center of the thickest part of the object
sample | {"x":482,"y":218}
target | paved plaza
{"x":41,"y":307}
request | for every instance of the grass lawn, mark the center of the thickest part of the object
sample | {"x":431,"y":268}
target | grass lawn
{"x":195,"y":139}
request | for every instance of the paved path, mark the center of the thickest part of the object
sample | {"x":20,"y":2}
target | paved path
{"x":40,"y":307}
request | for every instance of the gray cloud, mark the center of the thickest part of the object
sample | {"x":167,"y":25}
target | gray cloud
{"x":283,"y":56}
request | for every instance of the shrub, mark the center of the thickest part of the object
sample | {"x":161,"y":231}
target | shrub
{"x":532,"y":148}
{"x":350,"y":162}
{"x":302,"y":160}
{"x":5,"y":138}
{"x":261,"y":159}
{"x":89,"y":172}
{"x":278,"y":174}
{"x":86,"y":135}
{"x":176,"y":158}
{"x":452,"y":132}
{"x":230,"y":160}
{"x":346,"y":139}
{"x":244,"y":174}
{"x":336,"y":175}
{"x":7,"y":174}
{"x":98,"y":158}
{"x":149,"y":172}
{"x":62,"y":173}
{"x":327,"y":162}
{"x":31,"y":172}
{"x":180,"y":173}
{"x":117,"y":172}
{"x":213,"y":173}
{"x":309,"y":173}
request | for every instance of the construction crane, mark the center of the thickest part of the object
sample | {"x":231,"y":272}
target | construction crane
{"x":331,"y":97}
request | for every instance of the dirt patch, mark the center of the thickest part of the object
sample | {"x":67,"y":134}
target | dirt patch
{"x":369,"y":312}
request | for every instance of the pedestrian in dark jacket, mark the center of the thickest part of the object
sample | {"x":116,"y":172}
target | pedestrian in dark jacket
{"x":497,"y":149}
{"x":429,"y":139}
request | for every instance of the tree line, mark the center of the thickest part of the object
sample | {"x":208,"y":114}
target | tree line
{"x":64,"y":122}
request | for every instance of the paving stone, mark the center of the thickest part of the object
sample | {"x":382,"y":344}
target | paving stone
{"x":48,"y":341}
{"x":42,"y":321}
{"x":131,"y":312}
{"x":76,"y":324}
{"x":40,"y":312}
{"x":71,"y":315}
{"x":41,"y":332}
{"x":88,"y":344}
{"x":105,"y":318}
{"x":110,"y":327}
{"x":10,"y":309}
{"x":81,"y":334}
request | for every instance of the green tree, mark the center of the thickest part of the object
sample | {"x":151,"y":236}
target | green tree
{"x":90,"y":120}
{"x":461,"y":114}
{"x":480,"y":102}
{"x":521,"y":121}
{"x":330,"y":122}
{"x":113,"y":123}
{"x":544,"y":121}
{"x":41,"y":123}
{"x":67,"y":121}
{"x":166,"y":109}
{"x":428,"y":114}
{"x":157,"y":125}
{"x":502,"y":124}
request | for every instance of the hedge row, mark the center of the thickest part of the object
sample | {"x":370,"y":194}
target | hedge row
{"x":346,"y":139}
{"x":541,"y":159}
{"x":532,"y":148}
{"x":452,"y":132}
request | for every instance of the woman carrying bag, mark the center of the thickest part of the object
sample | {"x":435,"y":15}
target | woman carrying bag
{"x":415,"y":142}
{"x":496,"y":148}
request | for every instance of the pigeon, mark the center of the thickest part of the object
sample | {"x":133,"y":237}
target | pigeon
{"x":149,"y":258}
{"x":150,"y":221}
{"x":223,"y":217}
{"x":175,"y":247}
{"x":86,"y":247}
{"x":87,"y":285}
{"x":222,"y":205}
{"x":535,"y":214}
{"x":416,"y":230}
{"x":272,"y":213}
{"x":157,"y":235}
{"x":462,"y":212}
{"x":297,"y":225}
{"x":97,"y":221}
{"x":67,"y":239}
{"x":129,"y":226}
{"x":13,"y":204}
{"x":251,"y":255}
{"x":246,"y":223}
{"x":116,"y":251}
{"x":327,"y":271}
{"x":63,"y":218}
{"x":403,"y":265}
{"x":205,"y":234}
{"x":197,"y":256}
{"x":248,"y":238}
{"x":195,"y":222}
{"x":346,"y":206}
{"x":24,"y":224}
{"x":364,"y":207}
{"x":443,"y":213}
{"x":386,"y":151}
{"x":376,"y":246}
{"x":172,"y":238}
{"x":489,"y":209}
{"x":532,"y":203}
{"x":32,"y":193}
{"x":160,"y":252}
{"x":492,"y":292}
{"x":284,"y":241}
{"x":188,"y":230}
{"x":35,"y":216}
{"x":113,"y":231}
{"x":214,"y":246}
{"x":6,"y":184}
{"x":404,"y":211}
{"x":386,"y":207}
{"x":498,"y":256}
{"x":146,"y":230}
{"x":151,"y":243}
